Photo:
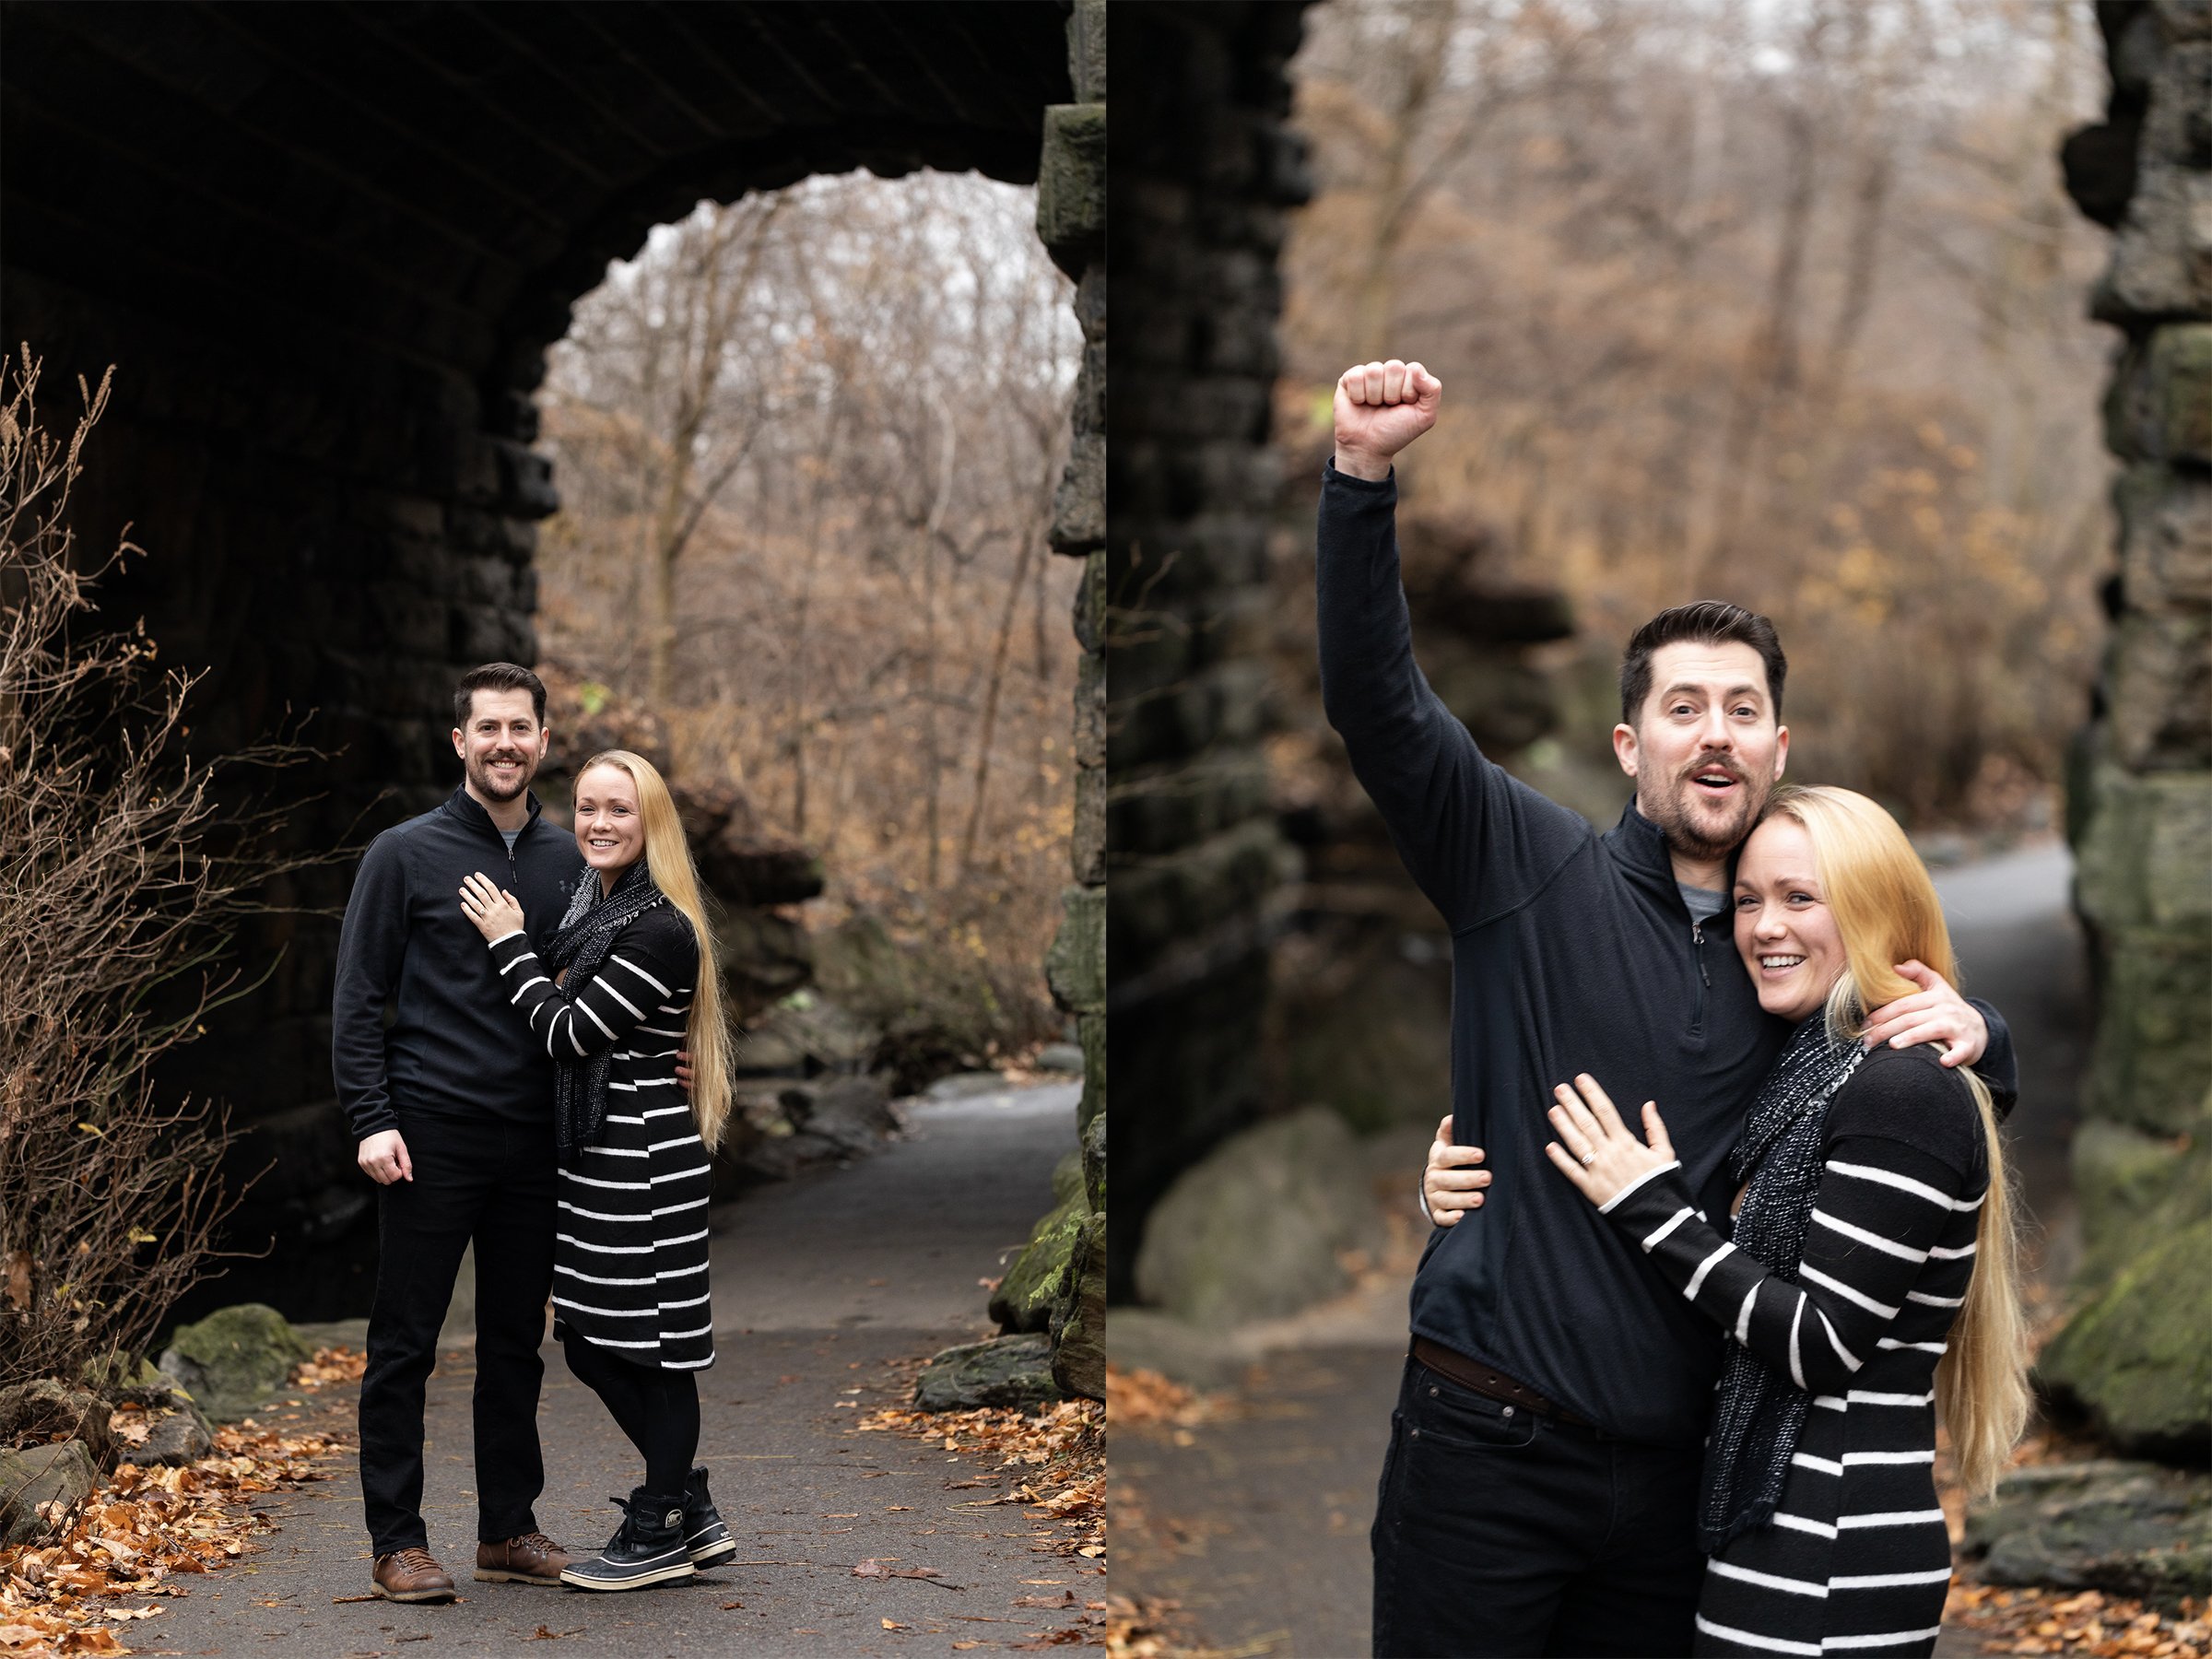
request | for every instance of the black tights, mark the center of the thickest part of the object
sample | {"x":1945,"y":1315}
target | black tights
{"x":658,"y":1409}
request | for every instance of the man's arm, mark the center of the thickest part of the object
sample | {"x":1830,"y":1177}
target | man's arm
{"x":1459,"y":822}
{"x":1998,"y":1066}
{"x":370,"y":945}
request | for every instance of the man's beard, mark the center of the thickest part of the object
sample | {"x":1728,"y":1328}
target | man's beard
{"x":1685,"y":833}
{"x":479,"y":773}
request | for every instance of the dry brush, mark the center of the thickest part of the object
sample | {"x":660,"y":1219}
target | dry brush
{"x":122,"y":872}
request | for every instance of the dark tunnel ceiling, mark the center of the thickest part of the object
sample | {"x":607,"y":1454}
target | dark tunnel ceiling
{"x":439,"y":182}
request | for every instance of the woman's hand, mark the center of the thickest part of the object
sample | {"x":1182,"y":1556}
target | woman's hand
{"x":1452,"y":1184}
{"x":495,"y":912}
{"x":1600,"y":1156}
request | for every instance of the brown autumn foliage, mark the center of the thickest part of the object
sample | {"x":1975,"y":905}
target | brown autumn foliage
{"x":151,"y":1533}
{"x":1779,"y":304}
{"x":2040,"y":1620}
{"x":807,"y":445}
{"x":1051,"y":1465}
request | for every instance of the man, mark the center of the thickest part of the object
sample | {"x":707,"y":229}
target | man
{"x":1540,"y":1487}
{"x":451,"y":1103}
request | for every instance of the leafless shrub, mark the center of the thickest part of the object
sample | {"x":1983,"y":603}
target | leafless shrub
{"x":122,"y":873}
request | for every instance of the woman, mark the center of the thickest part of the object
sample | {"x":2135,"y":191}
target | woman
{"x":628,"y":980}
{"x":1869,"y":1285}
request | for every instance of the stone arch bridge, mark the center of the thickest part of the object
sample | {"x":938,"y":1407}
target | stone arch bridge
{"x":327,"y":248}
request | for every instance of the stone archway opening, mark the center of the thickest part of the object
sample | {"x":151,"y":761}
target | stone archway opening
{"x":807,"y":444}
{"x":327,"y":249}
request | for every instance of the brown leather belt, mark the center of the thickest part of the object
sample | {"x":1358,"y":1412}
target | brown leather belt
{"x":1491,"y":1382}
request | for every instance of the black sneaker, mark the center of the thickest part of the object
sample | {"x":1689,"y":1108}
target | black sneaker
{"x":647,"y":1548}
{"x":706,"y":1539}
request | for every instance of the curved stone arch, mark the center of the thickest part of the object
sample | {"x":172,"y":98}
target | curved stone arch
{"x":329,"y":246}
{"x":539,"y":316}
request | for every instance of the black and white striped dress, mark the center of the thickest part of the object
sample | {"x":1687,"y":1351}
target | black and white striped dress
{"x":1856,"y":1558}
{"x":630,"y":1257}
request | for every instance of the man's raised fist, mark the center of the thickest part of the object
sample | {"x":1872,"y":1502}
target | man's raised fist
{"x":1381,"y":409}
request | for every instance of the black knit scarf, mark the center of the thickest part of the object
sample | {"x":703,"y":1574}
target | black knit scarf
{"x":586,"y":932}
{"x":1758,"y":1410}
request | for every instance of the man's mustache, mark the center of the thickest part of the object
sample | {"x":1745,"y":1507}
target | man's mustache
{"x":1733,"y":770}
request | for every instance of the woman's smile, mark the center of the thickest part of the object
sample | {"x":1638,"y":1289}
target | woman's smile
{"x":610,"y":832}
{"x":1785,"y":931}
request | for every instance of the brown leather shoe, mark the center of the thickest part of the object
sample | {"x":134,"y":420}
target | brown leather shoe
{"x":412,"y":1575}
{"x":532,"y":1558}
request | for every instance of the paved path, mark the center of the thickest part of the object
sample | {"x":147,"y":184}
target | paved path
{"x":824,"y":1287}
{"x":2022,"y":950}
{"x":1258,"y":1526}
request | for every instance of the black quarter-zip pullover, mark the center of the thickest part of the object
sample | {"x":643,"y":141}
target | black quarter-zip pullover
{"x":454,"y":1048}
{"x":1571,"y":952}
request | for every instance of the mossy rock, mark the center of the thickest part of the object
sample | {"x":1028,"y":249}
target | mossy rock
{"x":1074,"y":964}
{"x":44,"y":1410}
{"x":1091,"y":1029}
{"x":2158,"y":406}
{"x":177,"y":1434}
{"x":1079,"y":1325}
{"x":1071,"y":182}
{"x":1256,"y":1230}
{"x":2151,"y":1062}
{"x":177,"y":1431}
{"x":2145,"y":859}
{"x":1025,"y":1298}
{"x":1067,"y":1177}
{"x":40,"y":1484}
{"x":1094,"y":1163}
{"x":2134,"y":1189}
{"x":1006,"y":1371}
{"x":2138,"y":1359}
{"x":2131,"y":1529}
{"x":236,"y":1359}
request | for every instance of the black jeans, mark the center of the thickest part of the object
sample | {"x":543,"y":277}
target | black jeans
{"x":490,"y":1181}
{"x":1497,"y":1532}
{"x":657,"y":1409}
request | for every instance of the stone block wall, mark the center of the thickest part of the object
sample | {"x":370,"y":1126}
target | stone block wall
{"x":1071,"y":219}
{"x":2138,"y":1355}
{"x":309,"y":551}
{"x":1205,"y":166}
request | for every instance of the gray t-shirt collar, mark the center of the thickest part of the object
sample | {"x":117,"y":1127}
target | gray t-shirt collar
{"x":1704,"y":903}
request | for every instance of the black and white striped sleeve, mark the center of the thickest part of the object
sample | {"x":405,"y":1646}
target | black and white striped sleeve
{"x":1881,"y":1211}
{"x":631,"y":984}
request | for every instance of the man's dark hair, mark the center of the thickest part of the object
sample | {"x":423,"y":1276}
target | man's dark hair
{"x":497,"y":676}
{"x":1707,"y":622}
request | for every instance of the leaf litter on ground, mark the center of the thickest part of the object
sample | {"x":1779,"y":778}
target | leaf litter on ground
{"x":1054,"y":1459}
{"x":143,"y":1531}
{"x":2088,"y":1621}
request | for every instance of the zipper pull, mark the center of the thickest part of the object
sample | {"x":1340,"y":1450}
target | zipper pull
{"x":1697,"y":933}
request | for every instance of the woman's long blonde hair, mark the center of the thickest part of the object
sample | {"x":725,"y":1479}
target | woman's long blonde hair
{"x":668,"y":862}
{"x":1887,"y":913}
